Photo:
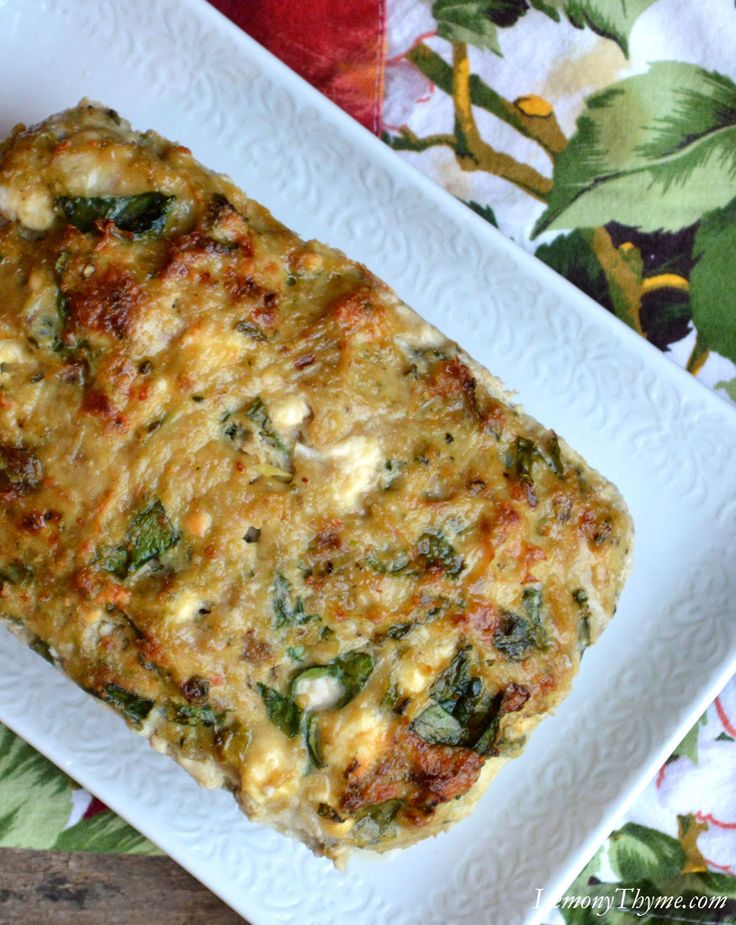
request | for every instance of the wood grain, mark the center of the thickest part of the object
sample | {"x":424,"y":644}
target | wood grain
{"x":50,"y":888}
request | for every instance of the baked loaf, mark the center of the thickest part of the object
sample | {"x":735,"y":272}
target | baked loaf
{"x":253,"y":502}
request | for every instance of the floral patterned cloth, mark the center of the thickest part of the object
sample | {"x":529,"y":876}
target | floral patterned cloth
{"x":600,"y":135}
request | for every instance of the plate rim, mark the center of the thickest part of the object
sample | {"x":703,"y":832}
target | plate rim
{"x":412,"y":178}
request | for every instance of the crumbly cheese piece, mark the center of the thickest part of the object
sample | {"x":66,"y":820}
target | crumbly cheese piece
{"x":251,"y":501}
{"x":289,"y":412}
{"x":33,"y":209}
{"x":355,"y":462}
{"x":319,"y":693}
{"x":12,"y":350}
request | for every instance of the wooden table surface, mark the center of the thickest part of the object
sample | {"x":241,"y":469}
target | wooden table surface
{"x":51,"y":888}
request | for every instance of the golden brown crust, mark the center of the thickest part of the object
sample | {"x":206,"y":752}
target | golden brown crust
{"x":288,"y":530}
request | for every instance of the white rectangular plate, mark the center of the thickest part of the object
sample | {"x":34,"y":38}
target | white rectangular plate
{"x":178,"y":66}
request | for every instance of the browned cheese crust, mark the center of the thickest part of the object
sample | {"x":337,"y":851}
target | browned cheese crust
{"x":293,"y":534}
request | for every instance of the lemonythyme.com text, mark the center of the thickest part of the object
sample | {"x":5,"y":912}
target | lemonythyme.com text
{"x":633,"y":900}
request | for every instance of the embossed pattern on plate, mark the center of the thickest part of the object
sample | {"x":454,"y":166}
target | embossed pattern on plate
{"x":178,"y":66}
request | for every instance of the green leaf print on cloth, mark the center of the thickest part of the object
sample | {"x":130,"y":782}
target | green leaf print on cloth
{"x":467,"y":21}
{"x":654,"y":151}
{"x":712,"y":283}
{"x":613,"y":276}
{"x":659,"y":880}
{"x":688,"y":747}
{"x":36,"y":796}
{"x":104,"y":833}
{"x":729,"y":387}
{"x":476,"y":21}
{"x":36,"y":805}
{"x":485,"y":212}
{"x":637,"y":852}
{"x":571,"y":255}
{"x":610,"y":18}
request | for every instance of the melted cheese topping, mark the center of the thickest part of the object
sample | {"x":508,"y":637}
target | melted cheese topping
{"x":255,"y":504}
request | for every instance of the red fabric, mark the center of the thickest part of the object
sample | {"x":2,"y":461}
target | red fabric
{"x":337,"y":46}
{"x":95,"y":808}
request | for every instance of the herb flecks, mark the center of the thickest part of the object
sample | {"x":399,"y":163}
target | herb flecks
{"x":521,"y":466}
{"x":258,"y":413}
{"x":438,"y":727}
{"x":455,"y":690}
{"x":551,"y":455}
{"x":150,"y":534}
{"x":252,"y":431}
{"x":531,"y":600}
{"x":523,"y":455}
{"x":435,"y":552}
{"x":143,"y":215}
{"x":517,"y":636}
{"x":16,"y":573}
{"x":350,"y":670}
{"x":460,"y":712}
{"x":580,"y":596}
{"x":187,"y":714}
{"x":250,"y":329}
{"x":313,"y":742}
{"x":288,"y":608}
{"x":374,"y":822}
{"x":391,"y":565}
{"x":281,"y":711}
{"x":133,"y":707}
